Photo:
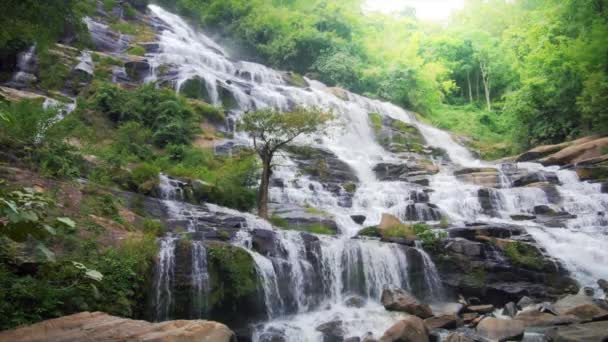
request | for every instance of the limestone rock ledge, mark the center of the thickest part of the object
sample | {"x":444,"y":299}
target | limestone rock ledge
{"x":98,"y":326}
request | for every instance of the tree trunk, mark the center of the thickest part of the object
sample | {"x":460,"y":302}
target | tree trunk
{"x":477,"y":86}
{"x":263,"y":191}
{"x":485,"y":77}
{"x":469,"y":84}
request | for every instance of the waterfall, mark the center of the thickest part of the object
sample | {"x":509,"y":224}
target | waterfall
{"x":306,"y":278}
{"x":164,"y":278}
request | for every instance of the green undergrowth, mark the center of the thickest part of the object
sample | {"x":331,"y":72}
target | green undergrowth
{"x":524,"y":255}
{"x":315,"y":228}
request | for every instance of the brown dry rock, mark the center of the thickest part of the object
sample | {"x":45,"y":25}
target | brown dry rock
{"x":501,"y":329}
{"x":442,"y":322}
{"x":388,"y":221}
{"x":578,"y":152}
{"x":535,"y":318}
{"x":98,"y":326}
{"x":401,"y":300}
{"x":410,"y":329}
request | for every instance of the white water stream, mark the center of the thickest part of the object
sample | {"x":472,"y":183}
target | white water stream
{"x":341,"y":263}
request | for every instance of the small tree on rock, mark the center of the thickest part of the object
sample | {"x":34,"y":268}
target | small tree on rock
{"x":272,"y":131}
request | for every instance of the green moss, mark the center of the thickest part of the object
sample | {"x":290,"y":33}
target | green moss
{"x":399,"y":231}
{"x":315,"y":211}
{"x":376,"y":120}
{"x":372,"y":231}
{"x":319,"y":229}
{"x":279,"y":221}
{"x":524,"y":255}
{"x":232,"y":275}
{"x":136,"y":50}
{"x":476,"y":277}
{"x":351,"y":188}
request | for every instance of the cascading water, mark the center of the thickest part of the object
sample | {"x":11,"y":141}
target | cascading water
{"x":306,"y":280}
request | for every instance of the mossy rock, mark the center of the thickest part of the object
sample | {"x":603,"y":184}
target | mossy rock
{"x":372,"y":231}
{"x":235,"y":295}
{"x":195,"y":88}
{"x":525,"y":255}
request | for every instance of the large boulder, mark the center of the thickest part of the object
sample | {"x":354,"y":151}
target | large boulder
{"x":410,"y":329}
{"x":332,"y":331}
{"x":535,"y":318}
{"x":596,"y":331}
{"x":485,"y":177}
{"x":98,"y":326}
{"x":400,"y":300}
{"x":501,"y":329}
{"x":577,"y":153}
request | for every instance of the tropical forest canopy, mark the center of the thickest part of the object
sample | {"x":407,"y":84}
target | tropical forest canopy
{"x":519,"y":73}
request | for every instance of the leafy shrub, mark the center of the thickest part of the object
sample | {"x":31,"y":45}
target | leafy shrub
{"x":524,"y":255}
{"x":430,"y":239}
{"x":370,"y":232}
{"x":145,"y":177}
{"x":58,"y":159}
{"x":22,"y":123}
{"x":399,"y":231}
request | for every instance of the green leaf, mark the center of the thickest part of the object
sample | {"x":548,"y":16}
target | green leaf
{"x":46,"y":253}
{"x":11,"y":205}
{"x":67,"y":222}
{"x":79,"y":265}
{"x":94,"y":275}
{"x":49,"y":229}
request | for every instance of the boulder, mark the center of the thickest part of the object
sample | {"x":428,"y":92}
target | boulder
{"x":358,"y":219}
{"x":355,"y":302}
{"x":98,"y":326}
{"x":596,"y":331}
{"x":501,"y":329}
{"x":332,"y":331}
{"x":410,"y":329}
{"x":441,"y":322}
{"x":389,"y":221}
{"x":469,"y":317}
{"x":588,"y":312}
{"x":577,"y":153}
{"x":137,"y":69}
{"x":400,"y":300}
{"x":460,"y":337}
{"x":465,"y":247}
{"x":510,"y":309}
{"x":603,"y":284}
{"x":480,"y":309}
{"x":535,"y":318}
{"x":536,"y":177}
{"x":485,"y":177}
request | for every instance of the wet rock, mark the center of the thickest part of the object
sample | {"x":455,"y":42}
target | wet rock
{"x":465,"y":247}
{"x":137,"y":70}
{"x":441,"y":322}
{"x":93,"y":326}
{"x":525,"y":302}
{"x":469,"y":317}
{"x":266,"y":243}
{"x":489,"y":200}
{"x":596,"y":331}
{"x":544,"y":210}
{"x":358,"y":219}
{"x":501,"y":231}
{"x":535,"y":318}
{"x":104,"y":39}
{"x":522,"y":217}
{"x":410,"y":329}
{"x":400,"y":300}
{"x":273,"y":334}
{"x":298,"y":218}
{"x":353,"y":339}
{"x":399,"y":241}
{"x":332,"y":331}
{"x":480,"y":309}
{"x":152,"y":47}
{"x":486,"y":177}
{"x":603,"y":284}
{"x":355,"y":302}
{"x":418,"y":196}
{"x":536,"y":177}
{"x":604,"y":188}
{"x":548,"y":308}
{"x":510,"y":309}
{"x":501,"y":329}
{"x":391,"y":172}
{"x":589,"y":291}
{"x":420,"y":180}
{"x":422,"y":212}
{"x":463,"y":337}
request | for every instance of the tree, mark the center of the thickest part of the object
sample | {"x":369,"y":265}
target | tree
{"x":272,"y":131}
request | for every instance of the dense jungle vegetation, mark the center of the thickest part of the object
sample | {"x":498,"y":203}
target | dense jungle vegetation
{"x":509,"y":73}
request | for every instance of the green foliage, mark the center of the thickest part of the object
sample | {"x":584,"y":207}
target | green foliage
{"x":524,"y":255}
{"x":136,"y":50}
{"x":430,"y":238}
{"x":42,"y":22}
{"x":67,"y":287}
{"x":170,"y":118}
{"x":53,"y":70}
{"x":399,"y":231}
{"x":370,"y":232}
{"x":376,"y":120}
{"x":233,"y":275}
{"x":22,"y":123}
{"x":145,"y":177}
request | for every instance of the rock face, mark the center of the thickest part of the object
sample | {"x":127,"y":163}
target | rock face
{"x":501,"y":329}
{"x":411,"y":329}
{"x":596,"y":331}
{"x":98,"y":326}
{"x":401,"y":300}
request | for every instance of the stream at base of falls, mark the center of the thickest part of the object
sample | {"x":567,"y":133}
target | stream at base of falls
{"x":308,"y":279}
